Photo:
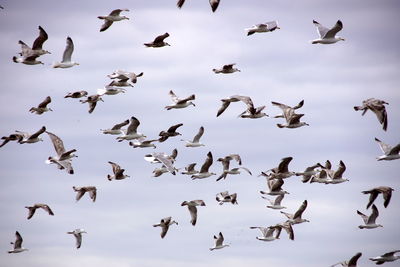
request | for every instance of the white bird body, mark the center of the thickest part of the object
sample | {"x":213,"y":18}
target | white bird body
{"x":78,"y":236}
{"x":369,"y":221}
{"x":17,"y":244}
{"x":390,"y":153}
{"x":131,"y":133}
{"x":263,"y":27}
{"x":204,"y":171}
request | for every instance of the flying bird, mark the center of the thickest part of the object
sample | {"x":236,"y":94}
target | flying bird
{"x":125,"y":75}
{"x":180,"y":102}
{"x":386,"y":192}
{"x":225,"y":197}
{"x":350,"y":263}
{"x":263,"y":27}
{"x":131,"y":132}
{"x":204,"y":171}
{"x":378,"y":107}
{"x":387,"y":257}
{"x":142,"y":142}
{"x":196,"y":139}
{"x":281,"y":172}
{"x":30,"y":60}
{"x":189,"y":169}
{"x":275,"y":187}
{"x":308,"y":173}
{"x":17,"y":244}
{"x":159,"y":41}
{"x":78,"y":236}
{"x":66,"y":59}
{"x":164,"y":224}
{"x":251,"y":112}
{"x":92,"y":101}
{"x":42,"y":107}
{"x":117,"y":171}
{"x":275,"y":204}
{"x":110,"y":90}
{"x":219,"y":242}
{"x":226,"y":69}
{"x":164,"y":135}
{"x":328,"y":36}
{"x":390,"y":153}
{"x":80,"y":191}
{"x":27,"y":138}
{"x":111,"y":18}
{"x":369,"y":221}
{"x":288,"y":113}
{"x":267,"y":233}
{"x":296,"y":217}
{"x":192,"y":207}
{"x":116,"y":129}
{"x":63,"y":158}
{"x":33,"y":208}
{"x":37,"y":47}
{"x":77,"y":94}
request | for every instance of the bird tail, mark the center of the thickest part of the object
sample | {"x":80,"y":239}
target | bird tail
{"x":15,"y":59}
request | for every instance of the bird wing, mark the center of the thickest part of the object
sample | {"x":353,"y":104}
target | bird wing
{"x":161,"y":38}
{"x":106,"y":25}
{"x":79,"y":194}
{"x":206,"y":165}
{"x":78,"y":237}
{"x":339,"y":172}
{"x":247,"y":170}
{"x":390,"y":254}
{"x":120,"y":125}
{"x":25,"y":49}
{"x":247,"y":100}
{"x":68,"y":50}
{"x":384,"y":147}
{"x":18,"y":240}
{"x":373,"y":195}
{"x":166,"y":161}
{"x":31,"y":212}
{"x":199,"y":134}
{"x":276,"y":184}
{"x":164,"y":229}
{"x":271,"y":25}
{"x":322,"y":30}
{"x":381,"y":114}
{"x":35,"y":135}
{"x":374,"y":215}
{"x":300,"y":211}
{"x":193,"y":214}
{"x":284,"y":165}
{"x":214,"y":4}
{"x":115,"y":167}
{"x":395,"y":150}
{"x":173,"y":128}
{"x":184,"y":100}
{"x":225,"y":105}
{"x":133,"y":126}
{"x":175,"y":99}
{"x":190,"y":167}
{"x":116,"y":12}
{"x":294,"y":118}
{"x":228,"y":66}
{"x":47,"y":208}
{"x":180,"y":3}
{"x":236,"y":157}
{"x":92,"y":106}
{"x":278,"y":199}
{"x":354,"y":259}
{"x":44,"y":103}
{"x":220,"y":240}
{"x":57,"y":143}
{"x":38,"y":43}
{"x":93,"y":194}
{"x":387,"y":195}
{"x":335,"y":29}
{"x":363,"y":216}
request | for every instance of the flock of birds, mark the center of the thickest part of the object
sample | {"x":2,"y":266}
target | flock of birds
{"x":275,"y":177}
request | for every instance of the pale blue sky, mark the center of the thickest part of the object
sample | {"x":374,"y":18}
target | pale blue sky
{"x":281,"y":66}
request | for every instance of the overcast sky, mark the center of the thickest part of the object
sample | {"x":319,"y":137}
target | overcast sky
{"x":281,"y":66}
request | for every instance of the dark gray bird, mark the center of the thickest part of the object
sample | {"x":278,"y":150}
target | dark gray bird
{"x":159,"y":41}
{"x":164,"y":135}
{"x":386,"y":192}
{"x":33,"y":208}
{"x":77,"y":94}
{"x":378,"y":107}
{"x":42,"y":107}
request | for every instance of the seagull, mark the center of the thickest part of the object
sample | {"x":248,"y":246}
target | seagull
{"x":213,"y":3}
{"x":33,"y":208}
{"x":267,"y":233}
{"x":196,"y":139}
{"x":370,"y":220}
{"x":308,"y":173}
{"x":351,"y":263}
{"x":11,"y":137}
{"x":386,"y":192}
{"x":167,"y":160}
{"x":92,"y":100}
{"x":141,"y":142}
{"x":42,"y":107}
{"x":26,"y":138}
{"x":77,"y":94}
{"x":251,"y":112}
{"x":387,"y":257}
{"x":78,"y":236}
{"x":204,"y":172}
{"x":275,"y":187}
{"x":159,"y":41}
{"x":225,"y":164}
{"x":30,"y":60}
{"x":180,"y":103}
{"x":17,"y":244}
{"x":263,"y":27}
{"x":296,"y":217}
{"x":131,"y":133}
{"x":66,"y":60}
{"x":390,"y":153}
{"x":275,"y":204}
{"x":288,"y":228}
{"x":378,"y":107}
{"x":292,"y":119}
{"x":63,"y":158}
{"x":321,"y":177}
{"x":113,"y":16}
{"x":192,"y":208}
{"x":37,"y":47}
{"x":110,"y":90}
{"x":151,"y":158}
{"x":336,"y":176}
{"x":116,"y":129}
{"x":80,"y":191}
{"x":219,"y":242}
{"x":122,"y":75}
{"x":118,"y":172}
{"x":282,"y":171}
{"x":226,"y":69}
{"x":189,"y":170}
{"x":164,"y":224}
{"x":164,"y":135}
{"x":223,"y":197}
{"x":327,"y":36}
{"x":160,"y":171}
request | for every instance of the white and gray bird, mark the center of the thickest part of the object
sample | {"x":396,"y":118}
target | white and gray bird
{"x":251,"y":112}
{"x":390,"y":153}
{"x":37,"y":47}
{"x":296,"y":217}
{"x":77,"y":94}
{"x":328,"y":36}
{"x":369,"y":221}
{"x":378,"y":107}
{"x":116,"y":129}
{"x":27,"y":138}
{"x":308,"y":173}
{"x":263,"y":27}
{"x":180,"y":102}
{"x":225,"y":164}
{"x":131,"y":132}
{"x":189,"y":169}
{"x":92,"y":101}
{"x":192,"y":207}
{"x":63,"y":158}
{"x":219,"y":242}
{"x":280,"y":172}
{"x":350,"y":263}
{"x":111,"y":18}
{"x":110,"y":90}
{"x":225,"y":197}
{"x":204,"y":171}
{"x":125,"y":75}
{"x":275,"y":187}
{"x":80,"y":191}
{"x":387,"y":257}
{"x":226,"y":69}
{"x":42,"y":107}
{"x":196,"y":139}
{"x":17,"y":244}
{"x":289,"y":114}
{"x":118,"y":173}
{"x":78,"y":236}
{"x":142,"y":142}
{"x":171,"y":132}
{"x":276,"y":203}
{"x":165,"y":223}
{"x":267,"y":233}
{"x":66,"y":61}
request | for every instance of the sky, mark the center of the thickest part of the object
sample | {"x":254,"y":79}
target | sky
{"x":281,"y":66}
